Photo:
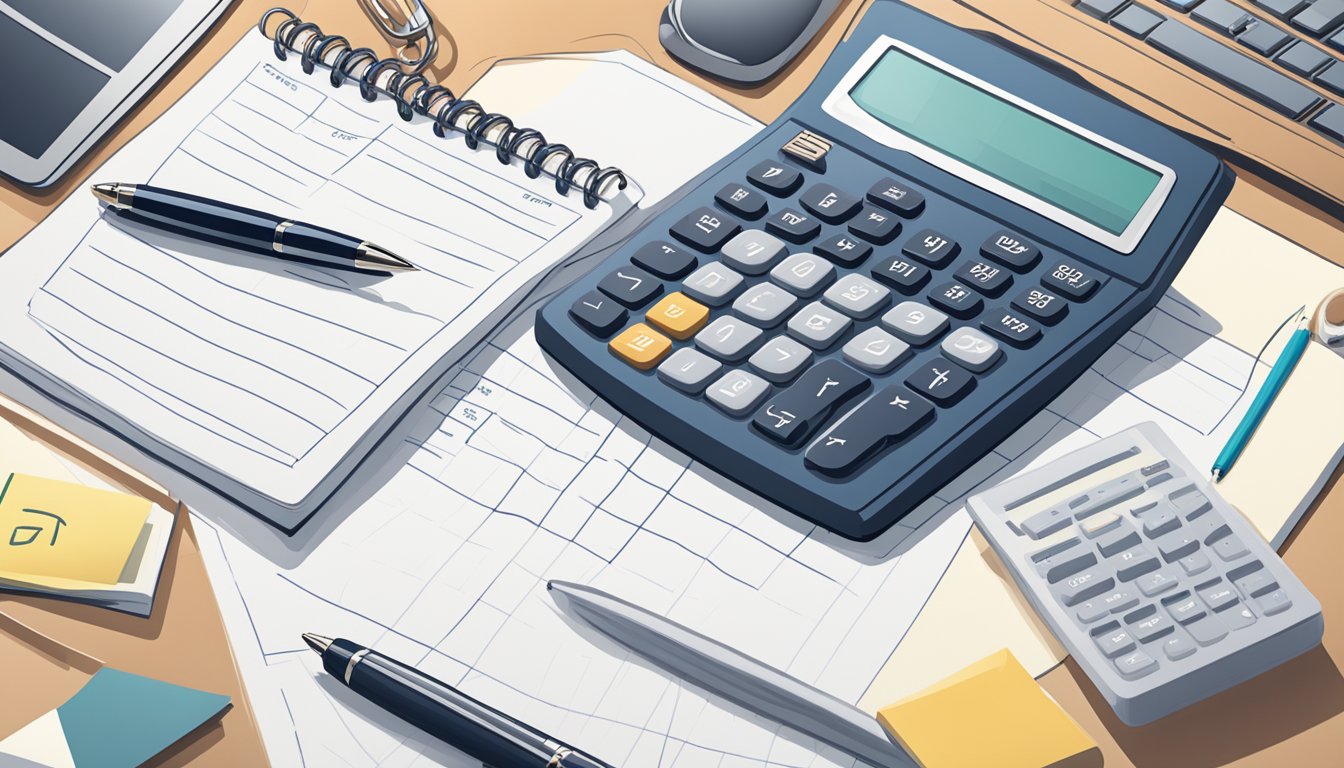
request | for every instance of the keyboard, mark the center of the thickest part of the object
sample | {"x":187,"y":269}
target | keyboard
{"x":842,"y":315}
{"x":1161,"y":591}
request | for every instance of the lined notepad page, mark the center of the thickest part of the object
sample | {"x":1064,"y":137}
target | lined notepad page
{"x":257,"y":368}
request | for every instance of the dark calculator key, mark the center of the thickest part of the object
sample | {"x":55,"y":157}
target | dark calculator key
{"x":829,"y":204}
{"x":1042,"y":305}
{"x":880,"y":227}
{"x":887,"y":417}
{"x":598,"y":313}
{"x":705,"y":229}
{"x":741,"y":201}
{"x":902,"y":274}
{"x":631,"y":286}
{"x":664,"y":259}
{"x":897,"y":198}
{"x":793,"y":226}
{"x":792,"y":415}
{"x":984,"y":276}
{"x":941,"y":381}
{"x":1010,"y":248}
{"x":1072,"y":281}
{"x":956,"y":300}
{"x":1011,"y":326}
{"x":932,"y":248}
{"x":845,"y":250}
{"x":775,"y":177}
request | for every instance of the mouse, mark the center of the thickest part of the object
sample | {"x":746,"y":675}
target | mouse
{"x":741,"y":41}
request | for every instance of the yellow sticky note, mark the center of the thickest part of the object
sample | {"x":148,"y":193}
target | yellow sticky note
{"x":66,"y":530}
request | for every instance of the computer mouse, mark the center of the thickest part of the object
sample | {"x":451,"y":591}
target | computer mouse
{"x":744,"y":41}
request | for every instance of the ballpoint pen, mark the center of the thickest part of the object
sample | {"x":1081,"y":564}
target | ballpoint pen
{"x":233,"y":226}
{"x":481,"y":731}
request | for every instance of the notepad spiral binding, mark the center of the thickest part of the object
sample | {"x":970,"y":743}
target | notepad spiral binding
{"x":415,"y":94}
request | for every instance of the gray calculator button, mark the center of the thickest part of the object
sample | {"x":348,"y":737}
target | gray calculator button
{"x":1134,"y":562}
{"x":803,"y":273}
{"x":1237,"y":618}
{"x":764,"y":304}
{"x":857,"y":296}
{"x":1046,"y":522}
{"x":1219,"y":595}
{"x":780,"y":359}
{"x":972,"y":349}
{"x":1092,"y":610}
{"x":1274,"y":602}
{"x":1159,"y":521}
{"x":1178,"y":647}
{"x":1084,"y":586}
{"x":1209,"y":528}
{"x":875,"y":351}
{"x":916,"y":323}
{"x":1186,"y":609}
{"x":1257,"y":583}
{"x":753,"y":251}
{"x":728,"y":338}
{"x":1177,"y":545}
{"x":1117,"y":541}
{"x":738,"y":392}
{"x":689,"y":370}
{"x":1229,"y":548}
{"x":1190,"y":504}
{"x":1195,"y":564}
{"x":1067,"y":564}
{"x":818,"y":326}
{"x":1207,"y":631}
{"x":1151,"y":627}
{"x":714,"y":284}
{"x":1156,"y":582}
{"x":1135,"y":664}
{"x":1096,"y":525}
{"x":1115,"y":642}
{"x":1119,"y":600}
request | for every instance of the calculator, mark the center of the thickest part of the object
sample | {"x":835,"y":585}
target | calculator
{"x":918,"y":255}
{"x":1162,"y":592}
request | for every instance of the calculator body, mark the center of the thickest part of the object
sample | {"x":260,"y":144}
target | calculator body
{"x":1102,"y":265}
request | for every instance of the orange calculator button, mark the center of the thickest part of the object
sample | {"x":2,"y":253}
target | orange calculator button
{"x":678,"y":315}
{"x":640,"y":346}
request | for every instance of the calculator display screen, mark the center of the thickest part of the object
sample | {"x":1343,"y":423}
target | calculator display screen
{"x":1018,"y":147}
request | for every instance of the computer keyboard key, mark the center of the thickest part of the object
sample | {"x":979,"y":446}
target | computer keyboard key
{"x":932,"y":248}
{"x":902,"y":274}
{"x":1177,"y":647}
{"x":1185,"y":608}
{"x":714,"y":284}
{"x":1012,"y":327}
{"x":956,"y":300}
{"x":631,"y":286}
{"x":737,"y":392}
{"x":1042,"y":305}
{"x":775,"y":178}
{"x":765,"y":304}
{"x":1336,"y":40}
{"x":689,"y":370}
{"x":1229,"y":548}
{"x":1330,"y":121}
{"x":666,"y":260}
{"x":1221,"y":16}
{"x":1332,"y":77}
{"x":1183,"y":6}
{"x":1070,"y":280}
{"x":831,"y":205}
{"x":706,"y":229}
{"x":729,"y":339}
{"x":678,"y":315}
{"x":875,"y":351}
{"x":805,"y":274}
{"x":780,"y":359}
{"x":818,"y":326}
{"x":845,"y":250}
{"x":1302,"y":58}
{"x":857,"y":296}
{"x":1264,"y":38}
{"x":1134,"y":562}
{"x":640,"y":346}
{"x":1195,"y":564}
{"x":1218,"y":595}
{"x":1274,"y":603}
{"x":1237,"y":618}
{"x":793,"y":226}
{"x":599,"y":313}
{"x":1084,"y":586}
{"x":1284,"y":9}
{"x":1207,"y":630}
{"x":972,"y":349}
{"x":875,"y":225}
{"x":791,"y":416}
{"x":984,"y":276}
{"x":753,"y":252}
{"x":741,"y":201}
{"x":1046,"y":522}
{"x":888,"y":416}
{"x":1115,"y":642}
{"x":1118,"y":541}
{"x":1320,"y":17}
{"x":940,"y":381}
{"x":897,"y":198}
{"x":1101,"y":9}
{"x":1136,"y":664}
{"x":1010,"y":249}
{"x":917,"y":323}
{"x":1136,"y":20}
{"x":1156,"y":582}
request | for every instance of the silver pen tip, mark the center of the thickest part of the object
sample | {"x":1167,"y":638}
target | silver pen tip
{"x":317,"y":642}
{"x":105,"y":192}
{"x":370,"y":256}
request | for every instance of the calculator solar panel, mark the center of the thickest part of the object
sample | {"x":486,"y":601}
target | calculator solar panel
{"x":930,"y":244}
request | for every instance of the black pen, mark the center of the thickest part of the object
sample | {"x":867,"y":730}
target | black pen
{"x":245,"y":229}
{"x":485,"y":733}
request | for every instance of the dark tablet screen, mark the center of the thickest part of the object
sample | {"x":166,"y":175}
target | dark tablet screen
{"x":43,"y":87}
{"x":109,"y":31}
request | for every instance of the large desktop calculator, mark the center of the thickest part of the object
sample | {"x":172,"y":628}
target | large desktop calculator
{"x":930,"y":244}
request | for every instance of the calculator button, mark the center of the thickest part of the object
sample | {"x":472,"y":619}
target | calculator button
{"x":972,"y":349}
{"x":714,"y":284}
{"x":1256,"y":583}
{"x":728,"y":338}
{"x":1207,"y":630}
{"x":902,"y":274}
{"x":1195,"y":564}
{"x":678,"y":315}
{"x":1229,"y":548}
{"x":941,"y":382}
{"x":1012,"y":327}
{"x":1191,"y":504}
{"x":1185,"y":609}
{"x":1010,"y":249}
{"x":875,"y":351}
{"x":857,"y":296}
{"x":1274,"y":602}
{"x":1177,"y":546}
{"x":932,"y":248}
{"x":1118,"y":540}
{"x":1096,"y":525}
{"x":956,"y":300}
{"x":1046,"y":522}
{"x":1159,"y":521}
{"x":1042,"y":305}
{"x":689,"y":370}
{"x":1084,"y":586}
{"x":1134,"y":562}
{"x":1068,"y":563}
{"x":1219,"y":595}
{"x":1119,"y":601}
{"x":753,"y":252}
{"x":1071,"y":281}
{"x":845,"y":250}
{"x":666,"y":260}
{"x":1238,"y":618}
{"x":1177,"y":647}
{"x":1151,"y":627}
{"x":705,"y":229}
{"x":793,"y":226}
{"x":640,"y":346}
{"x":916,"y":323}
{"x":984,"y":276}
{"x":1136,"y":664}
{"x":818,"y":326}
{"x":897,"y":198}
{"x":829,"y":204}
{"x":791,"y":416}
{"x":803,"y":273}
{"x":631,"y":286}
{"x":1115,"y":642}
{"x":780,"y":359}
{"x":737,"y":392}
{"x":1157,"y":582}
{"x":598,"y":313}
{"x":765,"y":304}
{"x":875,"y":225}
{"x":776,"y":178}
{"x":888,"y":416}
{"x":1092,"y":610}
{"x":741,"y":201}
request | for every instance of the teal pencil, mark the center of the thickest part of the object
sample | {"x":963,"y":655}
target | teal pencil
{"x":1278,"y":375}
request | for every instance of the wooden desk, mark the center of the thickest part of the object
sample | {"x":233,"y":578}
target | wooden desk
{"x":1293,"y":715}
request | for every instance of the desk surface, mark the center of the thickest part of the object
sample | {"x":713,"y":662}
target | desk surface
{"x":1293,"y":715}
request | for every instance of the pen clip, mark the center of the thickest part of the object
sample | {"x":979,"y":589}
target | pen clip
{"x":409,"y":22}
